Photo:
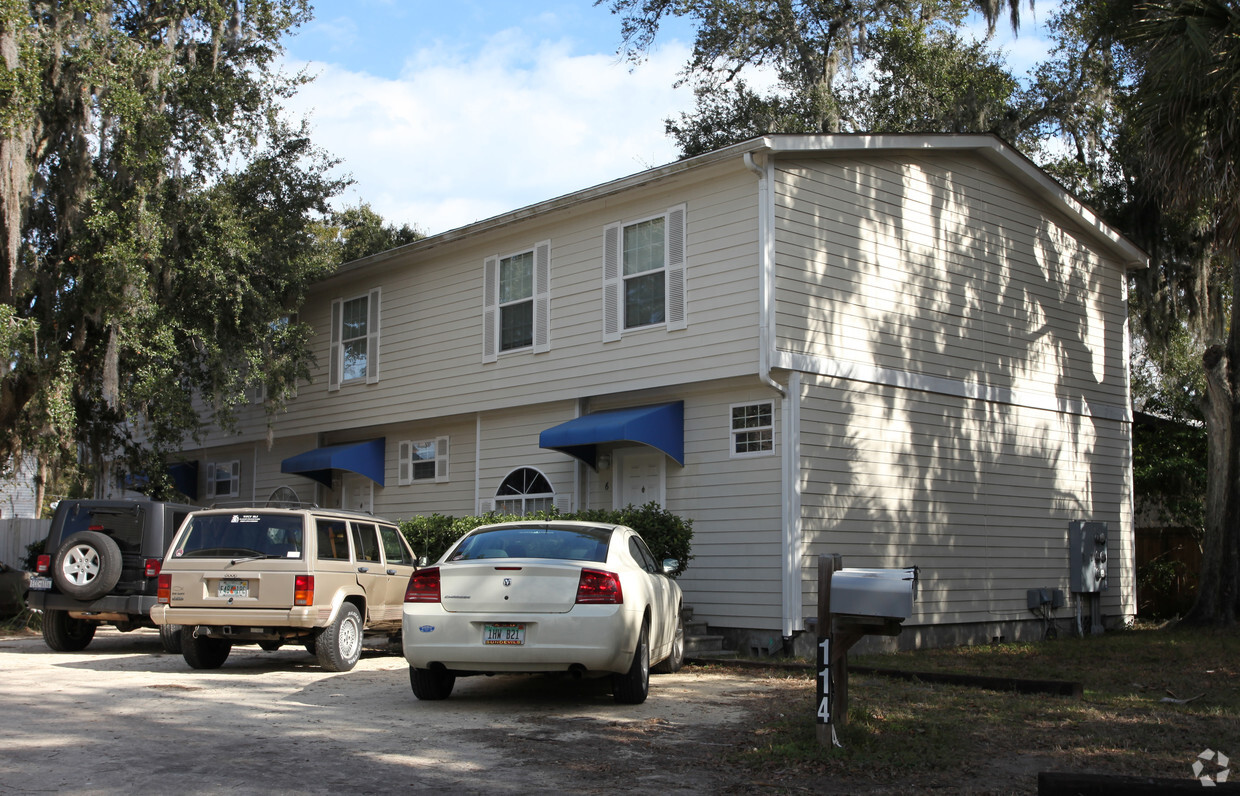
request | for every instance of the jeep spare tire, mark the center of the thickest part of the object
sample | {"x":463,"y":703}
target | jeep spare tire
{"x":87,"y":565}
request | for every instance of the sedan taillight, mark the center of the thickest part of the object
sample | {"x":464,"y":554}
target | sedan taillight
{"x":43,"y":564}
{"x":163,"y":589}
{"x":597,"y":587}
{"x":423,"y":586}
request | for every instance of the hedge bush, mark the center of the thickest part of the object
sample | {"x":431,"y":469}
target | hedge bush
{"x":667,"y":535}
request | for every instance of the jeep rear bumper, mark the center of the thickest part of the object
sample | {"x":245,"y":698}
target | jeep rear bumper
{"x":136,"y":606}
{"x":241,"y":619}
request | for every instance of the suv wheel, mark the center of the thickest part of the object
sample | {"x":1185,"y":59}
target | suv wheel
{"x":170,"y":637}
{"x":63,"y":633}
{"x":340,"y":644}
{"x":204,"y":652}
{"x":87,"y":565}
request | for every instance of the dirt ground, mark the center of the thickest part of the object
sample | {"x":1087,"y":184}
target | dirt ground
{"x":123,"y":715}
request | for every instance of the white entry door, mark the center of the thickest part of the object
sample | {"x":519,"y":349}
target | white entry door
{"x":357,"y":493}
{"x":639,"y":475}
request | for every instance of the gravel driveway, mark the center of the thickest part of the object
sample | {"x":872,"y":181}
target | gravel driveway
{"x":123,"y":716}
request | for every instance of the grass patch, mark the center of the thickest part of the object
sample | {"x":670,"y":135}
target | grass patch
{"x":905,"y":736}
{"x":26,"y":622}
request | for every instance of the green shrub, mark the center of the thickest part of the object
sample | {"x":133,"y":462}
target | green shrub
{"x":667,"y":535}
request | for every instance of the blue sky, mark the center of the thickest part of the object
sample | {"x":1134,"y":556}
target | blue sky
{"x":445,"y":113}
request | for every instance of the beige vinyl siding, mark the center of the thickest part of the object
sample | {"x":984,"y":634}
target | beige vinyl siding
{"x":978,"y":495}
{"x":432,"y":314}
{"x":509,"y":440}
{"x":269,"y":478}
{"x":735,"y":504}
{"x":454,"y":496}
{"x":943,"y":267}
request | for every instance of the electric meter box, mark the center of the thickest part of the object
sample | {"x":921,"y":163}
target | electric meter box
{"x":1087,"y":556}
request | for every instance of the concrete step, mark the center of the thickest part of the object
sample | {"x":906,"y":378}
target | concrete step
{"x":700,"y":643}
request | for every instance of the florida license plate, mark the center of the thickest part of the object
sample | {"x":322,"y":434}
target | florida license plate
{"x":503,"y":633}
{"x":234,"y":588}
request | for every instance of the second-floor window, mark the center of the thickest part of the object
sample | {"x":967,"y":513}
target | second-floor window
{"x":516,"y":299}
{"x":644,"y":274}
{"x":354,"y":340}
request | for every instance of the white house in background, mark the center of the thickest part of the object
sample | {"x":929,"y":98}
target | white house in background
{"x":910,"y":350}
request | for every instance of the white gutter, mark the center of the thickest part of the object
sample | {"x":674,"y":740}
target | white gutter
{"x":766,"y":269}
{"x":790,"y":537}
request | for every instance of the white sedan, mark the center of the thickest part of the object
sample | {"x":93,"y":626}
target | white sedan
{"x":583,"y":598}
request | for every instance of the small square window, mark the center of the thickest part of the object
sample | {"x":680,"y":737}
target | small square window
{"x":424,"y":460}
{"x":223,"y":479}
{"x":753,"y":429}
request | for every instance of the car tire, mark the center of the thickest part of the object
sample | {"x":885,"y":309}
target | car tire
{"x":270,"y":646}
{"x":632,"y":687}
{"x":340,"y":644}
{"x":204,"y":652}
{"x":672,"y":663}
{"x":170,"y":637}
{"x":431,"y":684}
{"x":87,"y":565}
{"x":63,"y":633}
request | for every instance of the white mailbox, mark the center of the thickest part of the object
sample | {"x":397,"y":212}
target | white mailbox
{"x":887,"y":593}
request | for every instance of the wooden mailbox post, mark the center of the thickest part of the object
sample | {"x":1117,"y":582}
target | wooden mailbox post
{"x":874,"y":603}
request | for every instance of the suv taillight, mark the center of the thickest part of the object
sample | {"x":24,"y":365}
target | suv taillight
{"x":303,"y":590}
{"x":151,"y":567}
{"x":423,"y":586}
{"x":163,"y":589}
{"x":599,"y":587}
{"x":43,"y":564}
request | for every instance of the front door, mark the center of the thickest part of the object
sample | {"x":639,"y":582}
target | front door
{"x":639,"y":473}
{"x":357,"y":493}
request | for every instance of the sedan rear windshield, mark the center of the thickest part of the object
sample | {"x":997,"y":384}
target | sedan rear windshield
{"x":570,"y":544}
{"x":254,"y":535}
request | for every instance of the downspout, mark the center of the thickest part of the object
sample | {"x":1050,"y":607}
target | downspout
{"x":766,"y":272}
{"x":791,"y":619}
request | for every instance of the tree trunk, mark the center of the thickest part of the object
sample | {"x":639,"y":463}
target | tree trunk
{"x":1218,"y":594}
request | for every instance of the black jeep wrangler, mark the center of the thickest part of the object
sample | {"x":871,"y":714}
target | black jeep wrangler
{"x":101,"y":566}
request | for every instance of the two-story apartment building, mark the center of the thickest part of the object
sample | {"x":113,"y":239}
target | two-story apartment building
{"x":910,"y":350}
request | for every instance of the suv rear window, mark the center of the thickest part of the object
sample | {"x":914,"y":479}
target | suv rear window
{"x":249,"y":534}
{"x":124,"y":525}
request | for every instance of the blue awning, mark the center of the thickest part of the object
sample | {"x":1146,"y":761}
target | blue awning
{"x":363,"y":458}
{"x":184,"y":477}
{"x":661,"y":426}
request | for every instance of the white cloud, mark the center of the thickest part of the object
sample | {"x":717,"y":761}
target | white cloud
{"x":461,"y":137}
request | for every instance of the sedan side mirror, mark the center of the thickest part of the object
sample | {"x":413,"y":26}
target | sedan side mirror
{"x":670,"y":565}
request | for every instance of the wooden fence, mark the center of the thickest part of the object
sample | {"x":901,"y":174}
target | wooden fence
{"x":15,"y":534}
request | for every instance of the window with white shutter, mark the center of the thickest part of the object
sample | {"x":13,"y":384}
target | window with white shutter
{"x":423,"y":460}
{"x":223,"y":479}
{"x":516,"y":298}
{"x":644,"y":274}
{"x":354,"y":356}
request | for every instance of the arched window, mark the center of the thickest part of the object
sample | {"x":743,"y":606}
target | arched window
{"x":524,"y":491}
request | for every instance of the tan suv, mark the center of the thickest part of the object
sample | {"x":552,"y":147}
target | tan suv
{"x":316,"y":577}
